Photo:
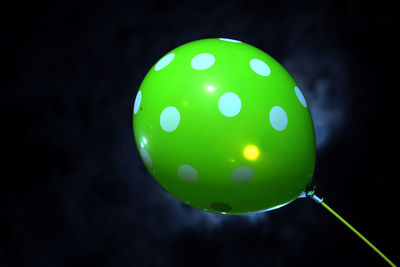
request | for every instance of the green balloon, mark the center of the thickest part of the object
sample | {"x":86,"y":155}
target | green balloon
{"x":223,"y":127}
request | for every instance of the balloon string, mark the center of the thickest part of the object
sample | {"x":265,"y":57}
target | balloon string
{"x":352,"y":229}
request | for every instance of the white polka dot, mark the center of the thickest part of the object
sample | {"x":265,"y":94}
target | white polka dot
{"x":260,"y":67}
{"x":300,"y":96}
{"x":230,"y":40}
{"x":146,"y":158}
{"x":278,"y":118}
{"x":169,"y":119}
{"x":138,"y":99}
{"x":188,"y":174}
{"x":229,"y":104}
{"x":202,"y":61}
{"x":162,"y":63}
{"x":242,"y":175}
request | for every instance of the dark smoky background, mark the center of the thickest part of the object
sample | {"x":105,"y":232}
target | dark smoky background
{"x":74,"y":191}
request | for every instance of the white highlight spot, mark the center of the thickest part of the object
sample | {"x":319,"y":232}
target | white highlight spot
{"x":138,"y":100}
{"x":162,"y":63}
{"x":229,"y":104}
{"x":260,"y":67}
{"x":146,"y":158}
{"x":300,"y":96}
{"x":202,"y":61}
{"x":230,"y":40}
{"x":278,"y":118}
{"x":169,"y":119}
{"x":188,"y":173}
{"x":242,"y":175}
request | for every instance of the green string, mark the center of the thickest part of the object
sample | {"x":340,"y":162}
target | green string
{"x":357,"y":233}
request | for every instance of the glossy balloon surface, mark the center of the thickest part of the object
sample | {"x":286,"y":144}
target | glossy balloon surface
{"x":223,"y":127}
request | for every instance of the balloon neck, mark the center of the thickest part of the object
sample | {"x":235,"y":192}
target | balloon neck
{"x":309,"y":191}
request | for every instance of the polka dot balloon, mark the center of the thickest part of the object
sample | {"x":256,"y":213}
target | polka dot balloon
{"x":223,"y":127}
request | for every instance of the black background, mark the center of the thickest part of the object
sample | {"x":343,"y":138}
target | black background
{"x":74,"y":191}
